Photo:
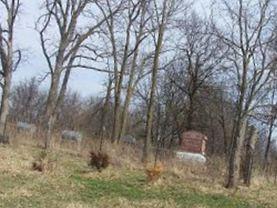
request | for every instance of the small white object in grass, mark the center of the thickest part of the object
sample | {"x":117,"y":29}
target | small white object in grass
{"x":23,"y":126}
{"x":71,"y":136}
{"x":191,"y":157}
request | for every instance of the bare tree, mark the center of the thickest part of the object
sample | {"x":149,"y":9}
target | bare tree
{"x":10,"y":58}
{"x":72,"y":49}
{"x":137,"y":71}
{"x":162,"y":12}
{"x":125,"y":34}
{"x":247,"y":34}
{"x":271,"y":116}
{"x":225,"y":118}
{"x":104,"y":113}
{"x":266,"y":113}
{"x":201,"y":55}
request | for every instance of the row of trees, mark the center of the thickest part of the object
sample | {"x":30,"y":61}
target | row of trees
{"x":168,"y":69}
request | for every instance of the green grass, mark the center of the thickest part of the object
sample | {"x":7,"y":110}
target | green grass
{"x":32,"y":191}
{"x":135,"y":189}
{"x":38,"y":191}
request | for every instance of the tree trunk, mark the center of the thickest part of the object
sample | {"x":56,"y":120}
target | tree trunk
{"x":130,"y":89}
{"x":131,"y":84}
{"x":125,"y":112}
{"x":118,"y":87}
{"x":7,"y":67}
{"x":235,"y":154}
{"x":249,"y":156}
{"x":222,"y":122}
{"x":213,"y":142}
{"x":62,"y":91}
{"x":225,"y":139}
{"x":115,"y":130}
{"x":190,"y":115}
{"x":151,"y":104}
{"x":154,"y":77}
{"x":105,"y":109}
{"x":5,"y":106}
{"x":266,"y":162}
{"x":48,"y":121}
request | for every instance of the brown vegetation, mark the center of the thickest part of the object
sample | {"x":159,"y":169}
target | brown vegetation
{"x":155,"y":172}
{"x":44,"y":162}
{"x":99,"y":160}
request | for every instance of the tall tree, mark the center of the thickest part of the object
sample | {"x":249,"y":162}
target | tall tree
{"x":136,"y":72}
{"x":246,"y":31}
{"x":267,"y":114}
{"x":125,"y":34}
{"x":162,"y":12}
{"x":69,"y":50}
{"x":10,"y":58}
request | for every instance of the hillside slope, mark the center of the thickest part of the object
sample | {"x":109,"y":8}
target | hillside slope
{"x":72,"y":183}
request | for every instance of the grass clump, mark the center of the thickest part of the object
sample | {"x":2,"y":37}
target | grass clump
{"x":99,"y":160}
{"x":44,"y":162}
{"x":154,"y":173}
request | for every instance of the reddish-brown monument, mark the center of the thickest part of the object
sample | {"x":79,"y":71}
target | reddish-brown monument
{"x":194,"y":142}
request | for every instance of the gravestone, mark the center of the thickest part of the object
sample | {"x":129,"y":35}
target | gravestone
{"x":194,"y":142}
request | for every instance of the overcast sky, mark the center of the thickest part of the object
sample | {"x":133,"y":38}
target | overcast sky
{"x":86,"y":82}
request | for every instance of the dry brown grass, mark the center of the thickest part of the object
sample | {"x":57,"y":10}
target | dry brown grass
{"x":16,"y":162}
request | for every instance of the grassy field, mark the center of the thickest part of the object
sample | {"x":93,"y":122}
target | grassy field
{"x":73,"y":184}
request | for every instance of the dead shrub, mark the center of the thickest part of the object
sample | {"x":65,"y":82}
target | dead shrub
{"x":154,"y":173}
{"x":99,"y":160}
{"x":44,"y":162}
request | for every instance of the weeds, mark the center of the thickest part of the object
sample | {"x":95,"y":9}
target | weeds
{"x":99,"y":160}
{"x":154,"y":173}
{"x":44,"y":162}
